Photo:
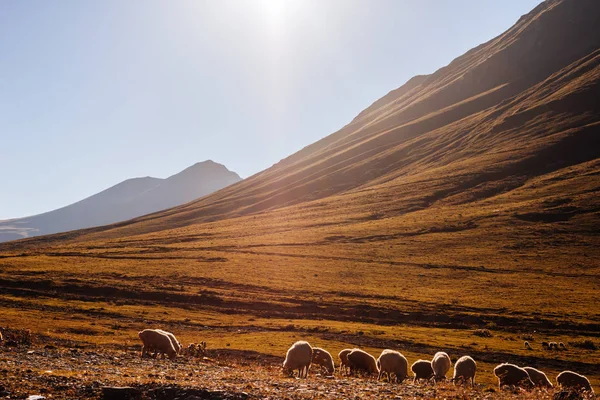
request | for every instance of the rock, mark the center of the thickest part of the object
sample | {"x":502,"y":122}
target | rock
{"x":120,"y":393}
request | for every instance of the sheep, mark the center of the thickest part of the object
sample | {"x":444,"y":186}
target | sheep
{"x":510,"y":374}
{"x":1,"y":338}
{"x":562,"y":346}
{"x":176,"y":345}
{"x":553,"y":346}
{"x":158,"y":341}
{"x":360,"y":360}
{"x":572,"y":380}
{"x":422,"y":370}
{"x":545,"y":345}
{"x":298,"y":357}
{"x":343,"y":356}
{"x":464,"y":370}
{"x":538,"y":377}
{"x":441,"y":365}
{"x":527,"y":345}
{"x":323,"y":358}
{"x":392,"y":362}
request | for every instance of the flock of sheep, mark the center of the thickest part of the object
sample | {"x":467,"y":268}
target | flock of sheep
{"x":394,"y":365}
{"x":390,"y":363}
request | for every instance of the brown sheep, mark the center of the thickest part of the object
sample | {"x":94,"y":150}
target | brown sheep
{"x":511,"y":375}
{"x":323,"y":358}
{"x":538,"y":377}
{"x":343,"y":356}
{"x":464,"y":370}
{"x":360,"y":360}
{"x":392,"y":362}
{"x":572,"y":380}
{"x":422,"y":370}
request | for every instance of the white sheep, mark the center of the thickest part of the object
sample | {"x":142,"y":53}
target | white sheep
{"x":298,"y":357}
{"x":343,"y":356}
{"x":153,"y":339}
{"x":553,"y":346}
{"x":360,"y":360}
{"x":528,"y":346}
{"x":562,"y":346}
{"x":422,"y":370}
{"x":512,"y":375}
{"x":323,"y":358}
{"x":176,"y":345}
{"x":538,"y":377}
{"x":440,"y":364}
{"x":464,"y":370}
{"x":572,"y":380}
{"x":392,"y":362}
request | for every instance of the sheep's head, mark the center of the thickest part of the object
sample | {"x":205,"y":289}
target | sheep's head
{"x":286,"y":370}
{"x":330,"y":366}
{"x":527,"y":383}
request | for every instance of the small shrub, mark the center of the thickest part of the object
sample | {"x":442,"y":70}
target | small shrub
{"x":586,"y":344}
{"x":482,"y":333}
{"x":17,"y":337}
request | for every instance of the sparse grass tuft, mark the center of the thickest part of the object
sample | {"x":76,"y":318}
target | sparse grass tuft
{"x":586,"y":344}
{"x":482,"y":333}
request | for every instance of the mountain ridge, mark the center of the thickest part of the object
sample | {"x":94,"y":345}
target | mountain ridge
{"x":127,"y":199}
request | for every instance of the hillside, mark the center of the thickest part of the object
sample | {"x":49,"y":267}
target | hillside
{"x":459,"y":212}
{"x":126,"y":200}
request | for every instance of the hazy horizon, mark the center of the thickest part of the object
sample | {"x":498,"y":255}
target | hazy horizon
{"x":96,"y":93}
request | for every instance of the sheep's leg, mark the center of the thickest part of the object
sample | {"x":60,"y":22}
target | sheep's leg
{"x":144,"y":350}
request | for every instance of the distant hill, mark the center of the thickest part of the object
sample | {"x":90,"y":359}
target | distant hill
{"x":128,"y":199}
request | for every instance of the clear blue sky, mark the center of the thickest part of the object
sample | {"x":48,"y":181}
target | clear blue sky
{"x":95,"y":92}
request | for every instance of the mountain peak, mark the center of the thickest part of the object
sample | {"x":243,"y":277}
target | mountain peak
{"x":207,"y":167}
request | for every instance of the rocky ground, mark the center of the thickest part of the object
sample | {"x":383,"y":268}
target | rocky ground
{"x":77,"y":372}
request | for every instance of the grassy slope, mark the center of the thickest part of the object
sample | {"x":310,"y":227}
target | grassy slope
{"x":466,"y":200}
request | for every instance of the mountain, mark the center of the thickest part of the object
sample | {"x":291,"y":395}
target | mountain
{"x":128,"y":199}
{"x":479,"y":181}
{"x":521,"y":105}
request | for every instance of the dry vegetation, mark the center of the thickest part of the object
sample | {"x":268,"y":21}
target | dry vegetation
{"x":458,"y":213}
